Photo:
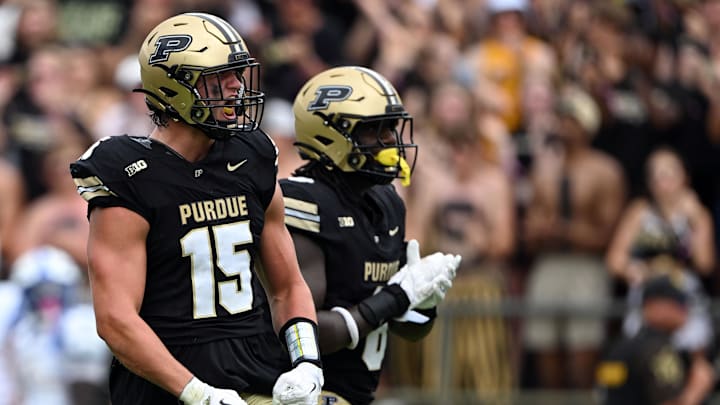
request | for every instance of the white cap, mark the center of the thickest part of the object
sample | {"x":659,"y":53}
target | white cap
{"x":579,"y":105}
{"x":501,"y":6}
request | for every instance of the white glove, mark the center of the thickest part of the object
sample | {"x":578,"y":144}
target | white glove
{"x":197,"y":392}
{"x":439,"y":294}
{"x":301,"y":385}
{"x":421,"y":278}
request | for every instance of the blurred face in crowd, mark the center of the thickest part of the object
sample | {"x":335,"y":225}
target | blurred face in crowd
{"x":146,"y":14}
{"x":579,"y":16}
{"x":666,"y":175}
{"x":508,"y":23}
{"x":569,"y":131}
{"x":605,"y":37}
{"x":38,"y":23}
{"x":46,"y":79}
{"x":711,"y":12}
{"x":83,"y":69}
{"x":665,"y":314}
{"x":640,"y":51}
{"x":298,"y":15}
{"x":451,"y":107}
{"x":538,"y":97}
{"x":438,"y":59}
{"x":692,"y":64}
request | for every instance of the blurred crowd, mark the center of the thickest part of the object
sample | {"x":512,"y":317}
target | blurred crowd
{"x":568,"y":149}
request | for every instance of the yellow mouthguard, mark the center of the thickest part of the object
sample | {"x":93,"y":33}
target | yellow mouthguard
{"x":391,"y":157}
{"x":229,"y":110}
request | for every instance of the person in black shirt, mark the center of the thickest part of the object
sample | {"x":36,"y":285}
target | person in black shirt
{"x":348,"y":224}
{"x":185,"y":224}
{"x":646,"y":369}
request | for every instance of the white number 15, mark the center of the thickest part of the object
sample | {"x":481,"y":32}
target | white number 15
{"x":234,"y":295}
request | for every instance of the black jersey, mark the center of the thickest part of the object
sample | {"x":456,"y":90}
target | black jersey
{"x":364,"y":246}
{"x":643,"y":370}
{"x":205,"y":224}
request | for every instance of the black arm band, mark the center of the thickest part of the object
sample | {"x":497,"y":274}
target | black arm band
{"x":389,"y":303}
{"x":300,"y":337}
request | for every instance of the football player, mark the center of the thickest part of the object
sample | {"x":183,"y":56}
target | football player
{"x":348,"y":225}
{"x":185,"y":224}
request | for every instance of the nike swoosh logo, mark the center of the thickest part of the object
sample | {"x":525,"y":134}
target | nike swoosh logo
{"x":232,"y":168}
{"x":222,"y":402}
{"x":394,"y":231}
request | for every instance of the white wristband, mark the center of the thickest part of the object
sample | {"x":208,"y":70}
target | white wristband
{"x":351,"y":326}
{"x":301,"y":341}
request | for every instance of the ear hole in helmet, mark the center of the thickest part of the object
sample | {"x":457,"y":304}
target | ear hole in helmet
{"x":168,"y":92}
{"x":323,"y":140}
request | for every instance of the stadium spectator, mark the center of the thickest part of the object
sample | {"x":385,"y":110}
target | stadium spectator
{"x":51,"y":354}
{"x":606,"y":71}
{"x":668,"y":232}
{"x":388,"y":36}
{"x":59,"y":216}
{"x":474,"y":216}
{"x":505,"y":58}
{"x":646,"y":369}
{"x":305,"y":42}
{"x":577,"y":197}
{"x":37,"y":28}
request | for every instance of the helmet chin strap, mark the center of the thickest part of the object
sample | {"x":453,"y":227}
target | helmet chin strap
{"x":391,"y":157}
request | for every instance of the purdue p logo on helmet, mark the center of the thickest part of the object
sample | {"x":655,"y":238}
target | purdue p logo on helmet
{"x":333,"y":105}
{"x":169,"y":43}
{"x":188,"y":49}
{"x":326,"y":94}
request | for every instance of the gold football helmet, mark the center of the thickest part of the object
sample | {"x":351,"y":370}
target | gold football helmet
{"x":182,"y":62}
{"x":337,"y":109}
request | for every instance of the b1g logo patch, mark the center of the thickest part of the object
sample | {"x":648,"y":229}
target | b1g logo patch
{"x":136,"y":167}
{"x":167,"y":44}
{"x":326,"y":94}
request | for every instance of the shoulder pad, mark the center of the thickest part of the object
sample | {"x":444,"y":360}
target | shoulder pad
{"x":98,"y":167}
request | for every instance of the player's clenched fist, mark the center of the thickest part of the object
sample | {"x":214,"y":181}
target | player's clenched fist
{"x":197,"y":392}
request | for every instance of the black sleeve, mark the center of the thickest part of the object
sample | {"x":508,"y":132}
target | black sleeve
{"x":100,"y":177}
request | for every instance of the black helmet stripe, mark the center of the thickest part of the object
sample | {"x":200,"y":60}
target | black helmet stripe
{"x":384,"y":84}
{"x":231,"y":35}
